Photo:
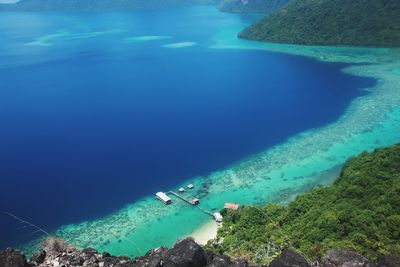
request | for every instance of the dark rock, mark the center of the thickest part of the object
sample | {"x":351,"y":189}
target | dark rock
{"x":240,"y":263}
{"x":123,"y":258}
{"x":93,"y":260}
{"x":106,"y":254}
{"x":220,"y":261}
{"x":344,"y":258}
{"x":289,"y":258}
{"x":74,"y":260}
{"x":225,"y":261}
{"x":388,"y":261}
{"x":110,"y":261}
{"x":156,"y":252}
{"x":153,"y":258}
{"x":39,"y":257}
{"x":127,"y":264}
{"x":12,"y":258}
{"x":89,"y":251}
{"x":186,"y":253}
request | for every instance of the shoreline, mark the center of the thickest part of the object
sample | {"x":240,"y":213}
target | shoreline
{"x":204,"y":233}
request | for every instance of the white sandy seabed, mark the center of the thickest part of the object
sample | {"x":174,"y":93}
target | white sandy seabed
{"x":309,"y":159}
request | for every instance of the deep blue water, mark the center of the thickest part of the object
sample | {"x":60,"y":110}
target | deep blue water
{"x":90,"y":122}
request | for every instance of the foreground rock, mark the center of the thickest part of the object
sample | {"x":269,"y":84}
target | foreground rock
{"x":184,"y":253}
{"x":388,"y":261}
{"x":56,"y":253}
{"x":344,"y":258}
{"x":12,"y":258}
{"x":289,"y":258}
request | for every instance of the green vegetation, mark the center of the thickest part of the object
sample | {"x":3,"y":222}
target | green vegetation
{"x":251,"y":6}
{"x":368,"y":23}
{"x":359,"y":212}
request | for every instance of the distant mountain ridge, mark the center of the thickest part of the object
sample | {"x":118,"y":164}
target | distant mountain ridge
{"x":234,"y":6}
{"x":368,"y":23}
{"x":251,"y":6}
{"x":95,"y":5}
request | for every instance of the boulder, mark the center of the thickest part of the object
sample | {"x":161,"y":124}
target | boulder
{"x":344,"y":258}
{"x":289,"y":258}
{"x":110,"y":261}
{"x":38,"y":258}
{"x":224,"y":261}
{"x":12,"y":258}
{"x":153,"y":258}
{"x":73,"y":259}
{"x":89,"y":251}
{"x":388,"y":261}
{"x":186,"y":253}
{"x":220,"y":261}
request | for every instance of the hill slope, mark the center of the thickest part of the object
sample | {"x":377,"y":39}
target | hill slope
{"x":251,"y":6}
{"x":360,"y":211}
{"x":367,"y":23}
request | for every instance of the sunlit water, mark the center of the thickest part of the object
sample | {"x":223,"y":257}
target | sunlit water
{"x":98,"y":111}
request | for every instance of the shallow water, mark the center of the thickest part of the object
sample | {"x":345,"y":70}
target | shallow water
{"x":150,"y":103}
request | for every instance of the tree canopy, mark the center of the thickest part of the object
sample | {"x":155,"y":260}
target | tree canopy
{"x":360,"y":211}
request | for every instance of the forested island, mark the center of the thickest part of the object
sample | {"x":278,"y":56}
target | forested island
{"x":251,"y":6}
{"x":367,"y":23}
{"x":359,"y":212}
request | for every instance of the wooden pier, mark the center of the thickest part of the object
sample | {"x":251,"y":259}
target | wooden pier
{"x":192,"y":202}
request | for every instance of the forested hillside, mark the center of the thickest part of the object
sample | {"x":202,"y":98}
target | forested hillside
{"x":251,"y":6}
{"x":367,"y":23}
{"x":359,"y":212}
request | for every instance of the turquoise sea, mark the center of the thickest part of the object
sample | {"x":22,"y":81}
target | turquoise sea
{"x":98,"y":111}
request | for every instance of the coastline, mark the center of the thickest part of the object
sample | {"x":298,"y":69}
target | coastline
{"x":304,"y":161}
{"x":206,"y":232}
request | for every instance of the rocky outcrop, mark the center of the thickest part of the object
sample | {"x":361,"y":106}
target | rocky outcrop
{"x":56,"y":253}
{"x":388,"y":261}
{"x":39,"y":257}
{"x":184,"y":253}
{"x":345,"y":258}
{"x":12,"y":258}
{"x":289,"y":258}
{"x":225,"y":261}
